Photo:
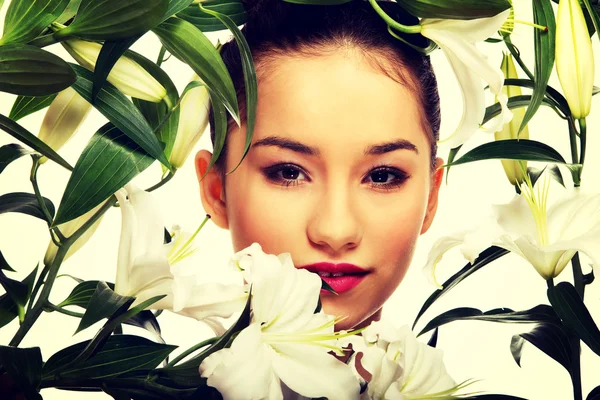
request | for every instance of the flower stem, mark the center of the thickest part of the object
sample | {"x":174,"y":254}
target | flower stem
{"x":54,"y":307}
{"x":166,"y":179}
{"x":44,"y":41}
{"x":392,"y":22}
{"x":37,"y":286}
{"x":191,"y":350}
{"x":574,"y":157}
{"x":582,"y":139}
{"x":40,"y":199}
{"x":575,"y":342}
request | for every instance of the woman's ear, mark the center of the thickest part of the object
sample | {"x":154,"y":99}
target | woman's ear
{"x":211,"y":190}
{"x":432,"y":203}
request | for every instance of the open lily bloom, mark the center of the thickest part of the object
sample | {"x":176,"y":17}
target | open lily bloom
{"x":547,"y":237}
{"x":146,"y":267}
{"x":457,"y":40}
{"x":286,"y":340}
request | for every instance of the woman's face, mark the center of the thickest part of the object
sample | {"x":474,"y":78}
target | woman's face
{"x":338,"y":172}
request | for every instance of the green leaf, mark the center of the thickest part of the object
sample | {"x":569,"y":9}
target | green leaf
{"x":514,"y":102}
{"x":551,"y":339}
{"x":234,"y":9}
{"x":186,"y":374}
{"x":175,"y":6}
{"x":250,"y":82}
{"x":69,"y":12}
{"x":451,"y":156}
{"x":432,"y":342}
{"x":220,"y":118}
{"x":24,"y":366}
{"x":487,"y":256}
{"x":187,"y":43}
{"x":9,"y":310}
{"x":110,"y":53}
{"x":109,"y":161}
{"x":511,"y":149}
{"x":30,"y":71}
{"x":103,"y":303}
{"x":4,"y":264}
{"x":119,"y":110}
{"x":82,"y":294}
{"x":25,"y":203}
{"x":26,"y":19}
{"x":551,"y":94}
{"x":22,"y":134}
{"x":593,"y":14}
{"x":114,"y":19}
{"x":543,"y":14}
{"x":535,"y":173}
{"x":16,"y":290}
{"x":572,"y":310}
{"x":454,"y":9}
{"x":540,"y":313}
{"x":119,"y":355}
{"x":25,"y":105}
{"x":516,"y":55}
{"x":10,"y":153}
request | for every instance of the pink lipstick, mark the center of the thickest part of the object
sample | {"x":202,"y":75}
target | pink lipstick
{"x":341,"y":277}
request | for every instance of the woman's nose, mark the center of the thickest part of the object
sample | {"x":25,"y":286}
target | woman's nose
{"x":335,"y":222}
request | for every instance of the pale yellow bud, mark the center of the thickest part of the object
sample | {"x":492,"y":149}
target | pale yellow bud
{"x":127,"y":75}
{"x":574,"y":57}
{"x":66,"y":112}
{"x":514,"y":169}
{"x":193,"y":120}
{"x":67,"y":229}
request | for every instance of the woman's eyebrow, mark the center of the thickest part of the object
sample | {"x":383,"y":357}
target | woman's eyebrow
{"x":285,"y":143}
{"x":387,"y":147}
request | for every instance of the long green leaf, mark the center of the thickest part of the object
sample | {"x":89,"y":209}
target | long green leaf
{"x":103,"y":303}
{"x":572,"y":310}
{"x":25,"y":105}
{"x":187,"y":43}
{"x":9,"y":310}
{"x":69,"y":12}
{"x":593,"y":15}
{"x":540,"y":313}
{"x":10,"y":153}
{"x":551,"y":339}
{"x":30,"y":71}
{"x":121,"y":112}
{"x":594,"y":394}
{"x":234,"y":9}
{"x":24,"y":203}
{"x":4,"y":264}
{"x":512,"y":149}
{"x":82,"y":294}
{"x":514,"y":102}
{"x":175,"y":7}
{"x":110,"y":53}
{"x":250,"y":82}
{"x":26,"y":19}
{"x":24,"y":366}
{"x":109,"y":161}
{"x":120,"y":354}
{"x":543,"y":14}
{"x":114,"y":19}
{"x":454,"y":9}
{"x":318,"y":2}
{"x":15,"y":289}
{"x":487,"y":256}
{"x":552,"y":94}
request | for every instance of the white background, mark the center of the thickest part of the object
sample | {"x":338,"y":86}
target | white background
{"x":478,"y":350}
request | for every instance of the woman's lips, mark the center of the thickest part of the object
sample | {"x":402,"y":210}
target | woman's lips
{"x":341,"y":277}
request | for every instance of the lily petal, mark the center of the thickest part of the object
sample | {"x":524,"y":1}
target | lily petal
{"x":125,"y":256}
{"x":208,"y":300}
{"x":473,"y":30}
{"x":440,"y":247}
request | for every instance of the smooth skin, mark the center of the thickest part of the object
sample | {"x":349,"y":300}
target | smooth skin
{"x":312,"y":190}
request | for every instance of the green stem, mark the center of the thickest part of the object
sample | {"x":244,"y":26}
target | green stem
{"x":166,"y":179}
{"x":161,"y":55}
{"x":575,"y":342}
{"x":54,"y":307}
{"x":105,"y":207}
{"x":392,"y":22}
{"x":37,"y":286}
{"x":574,"y":157}
{"x":40,"y":199}
{"x":45,"y":40}
{"x":582,"y":139}
{"x":191,"y":350}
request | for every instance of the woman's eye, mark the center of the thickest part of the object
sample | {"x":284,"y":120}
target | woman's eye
{"x":387,"y":177}
{"x":284,"y":174}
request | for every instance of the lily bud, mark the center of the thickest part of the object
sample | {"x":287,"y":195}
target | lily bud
{"x":127,"y":75}
{"x":66,"y":112}
{"x":67,"y":229}
{"x":574,"y":57}
{"x":514,"y":169}
{"x":193,"y":121}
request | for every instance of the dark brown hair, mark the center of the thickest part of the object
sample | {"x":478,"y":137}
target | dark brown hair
{"x":276,"y":28}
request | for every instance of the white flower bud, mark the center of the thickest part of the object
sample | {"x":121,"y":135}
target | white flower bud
{"x":66,"y":112}
{"x":127,"y":75}
{"x":193,"y":120}
{"x":513,"y":168}
{"x":574,"y":57}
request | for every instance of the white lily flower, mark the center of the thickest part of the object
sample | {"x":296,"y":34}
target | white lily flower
{"x":401,"y":367}
{"x":285,"y":341}
{"x":127,"y":75}
{"x":574,"y":57}
{"x":146,"y":267}
{"x":69,"y":228}
{"x":457,"y":40}
{"x":66,"y":112}
{"x":193,"y":121}
{"x":547,"y":237}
